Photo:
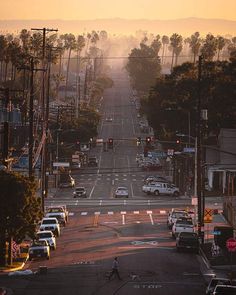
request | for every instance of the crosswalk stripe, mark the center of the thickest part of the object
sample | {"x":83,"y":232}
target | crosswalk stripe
{"x":110,"y":213}
{"x":84,"y":213}
{"x":136,"y":212}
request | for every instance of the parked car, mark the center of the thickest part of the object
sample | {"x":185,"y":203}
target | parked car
{"x":173,"y":215}
{"x":182,"y":225}
{"x":39,"y":249}
{"x":121,"y":192}
{"x":156,"y":178}
{"x":224,"y":290}
{"x":160,"y":188}
{"x":187,"y":241}
{"x":48,"y":236}
{"x":214,"y":282}
{"x":59,"y":215}
{"x":61,"y":209}
{"x":80,"y":192}
{"x":51,"y":224}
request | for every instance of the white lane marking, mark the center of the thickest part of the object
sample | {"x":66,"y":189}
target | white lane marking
{"x":136,"y":212}
{"x":110,"y":222}
{"x":162,"y":211}
{"x":99,"y":178}
{"x":132,"y":190}
{"x":133,"y":179}
{"x":108,"y":179}
{"x":97,"y":213}
{"x":108,"y":174}
{"x":116,"y":178}
{"x":90,"y":195}
{"x":148,"y":202}
{"x":84,"y":213}
{"x":110,"y":212}
{"x":149,"y":212}
{"x":124,"y":179}
{"x":123,"y":219}
{"x":71,"y":214}
{"x":124,"y":202}
{"x":151,"y":218}
{"x":100,"y":203}
{"x":124,"y":175}
{"x":123,"y":212}
{"x":138,"y":221}
{"x":113,"y":182}
{"x":116,"y":175}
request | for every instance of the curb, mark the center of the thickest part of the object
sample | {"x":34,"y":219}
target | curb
{"x":6,"y":271}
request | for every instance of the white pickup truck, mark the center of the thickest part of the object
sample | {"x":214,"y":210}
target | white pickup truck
{"x":58,"y":212}
{"x":160,"y":188}
{"x":183,"y":224}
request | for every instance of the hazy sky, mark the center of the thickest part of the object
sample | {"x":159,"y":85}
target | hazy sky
{"x":130,"y":9}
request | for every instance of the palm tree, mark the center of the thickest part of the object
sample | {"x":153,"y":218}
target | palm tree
{"x":70,"y":44}
{"x":209,"y":47}
{"x":195,"y":44}
{"x":25,"y":39}
{"x":3,"y":46}
{"x":176,"y":41}
{"x":156,"y":44}
{"x":165,"y":41}
{"x":221,"y":42}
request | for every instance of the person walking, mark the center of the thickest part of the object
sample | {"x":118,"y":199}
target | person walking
{"x":115,"y":269}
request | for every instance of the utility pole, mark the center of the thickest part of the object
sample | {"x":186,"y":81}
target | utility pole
{"x":31,"y":118}
{"x":6,"y":129}
{"x":44,"y":115}
{"x":199,"y":152}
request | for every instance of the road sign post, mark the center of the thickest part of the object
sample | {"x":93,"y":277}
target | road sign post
{"x":231,"y":246}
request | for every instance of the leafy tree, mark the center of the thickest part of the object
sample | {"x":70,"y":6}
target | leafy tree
{"x":143,"y":67}
{"x":220,"y":42}
{"x":20,"y":209}
{"x":175,"y":96}
{"x":156,"y":44}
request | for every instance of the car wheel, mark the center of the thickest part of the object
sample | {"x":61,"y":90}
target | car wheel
{"x":156,"y":193}
{"x":176,"y":194}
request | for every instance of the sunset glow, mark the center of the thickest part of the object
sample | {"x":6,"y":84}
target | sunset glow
{"x":129,"y":9}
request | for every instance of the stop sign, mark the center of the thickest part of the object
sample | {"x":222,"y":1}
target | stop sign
{"x":231,"y":244}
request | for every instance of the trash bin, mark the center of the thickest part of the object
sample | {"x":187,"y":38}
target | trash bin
{"x":43,"y":270}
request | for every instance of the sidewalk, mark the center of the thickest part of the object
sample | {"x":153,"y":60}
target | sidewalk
{"x":225,"y":261}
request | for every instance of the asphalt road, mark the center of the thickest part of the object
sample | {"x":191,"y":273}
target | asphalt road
{"x":102,"y":227}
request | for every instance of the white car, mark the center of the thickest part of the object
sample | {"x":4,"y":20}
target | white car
{"x":51,"y":224}
{"x":48,"y":236}
{"x":39,"y":249}
{"x":121,"y":191}
{"x":182,"y":224}
{"x":173,"y":215}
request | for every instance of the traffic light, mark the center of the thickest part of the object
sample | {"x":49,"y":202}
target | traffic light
{"x":110,"y":143}
{"x":148,"y":140}
{"x":139,"y":141}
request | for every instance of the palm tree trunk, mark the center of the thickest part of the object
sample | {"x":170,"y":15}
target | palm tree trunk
{"x":6,"y":70}
{"x":163,"y":50}
{"x":59,"y":75}
{"x":67,"y":71}
{"x":172,"y":61}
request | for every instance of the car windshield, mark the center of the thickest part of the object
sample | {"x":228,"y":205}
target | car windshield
{"x":80,"y":189}
{"x":49,"y":221}
{"x":44,"y":235}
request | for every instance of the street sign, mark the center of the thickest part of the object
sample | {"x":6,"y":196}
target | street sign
{"x":231,"y":244}
{"x":61,"y":164}
{"x":208,"y":215}
{"x":216,"y":233}
{"x":189,"y":150}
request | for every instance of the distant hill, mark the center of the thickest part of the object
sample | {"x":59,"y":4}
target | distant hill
{"x":184,"y":27}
